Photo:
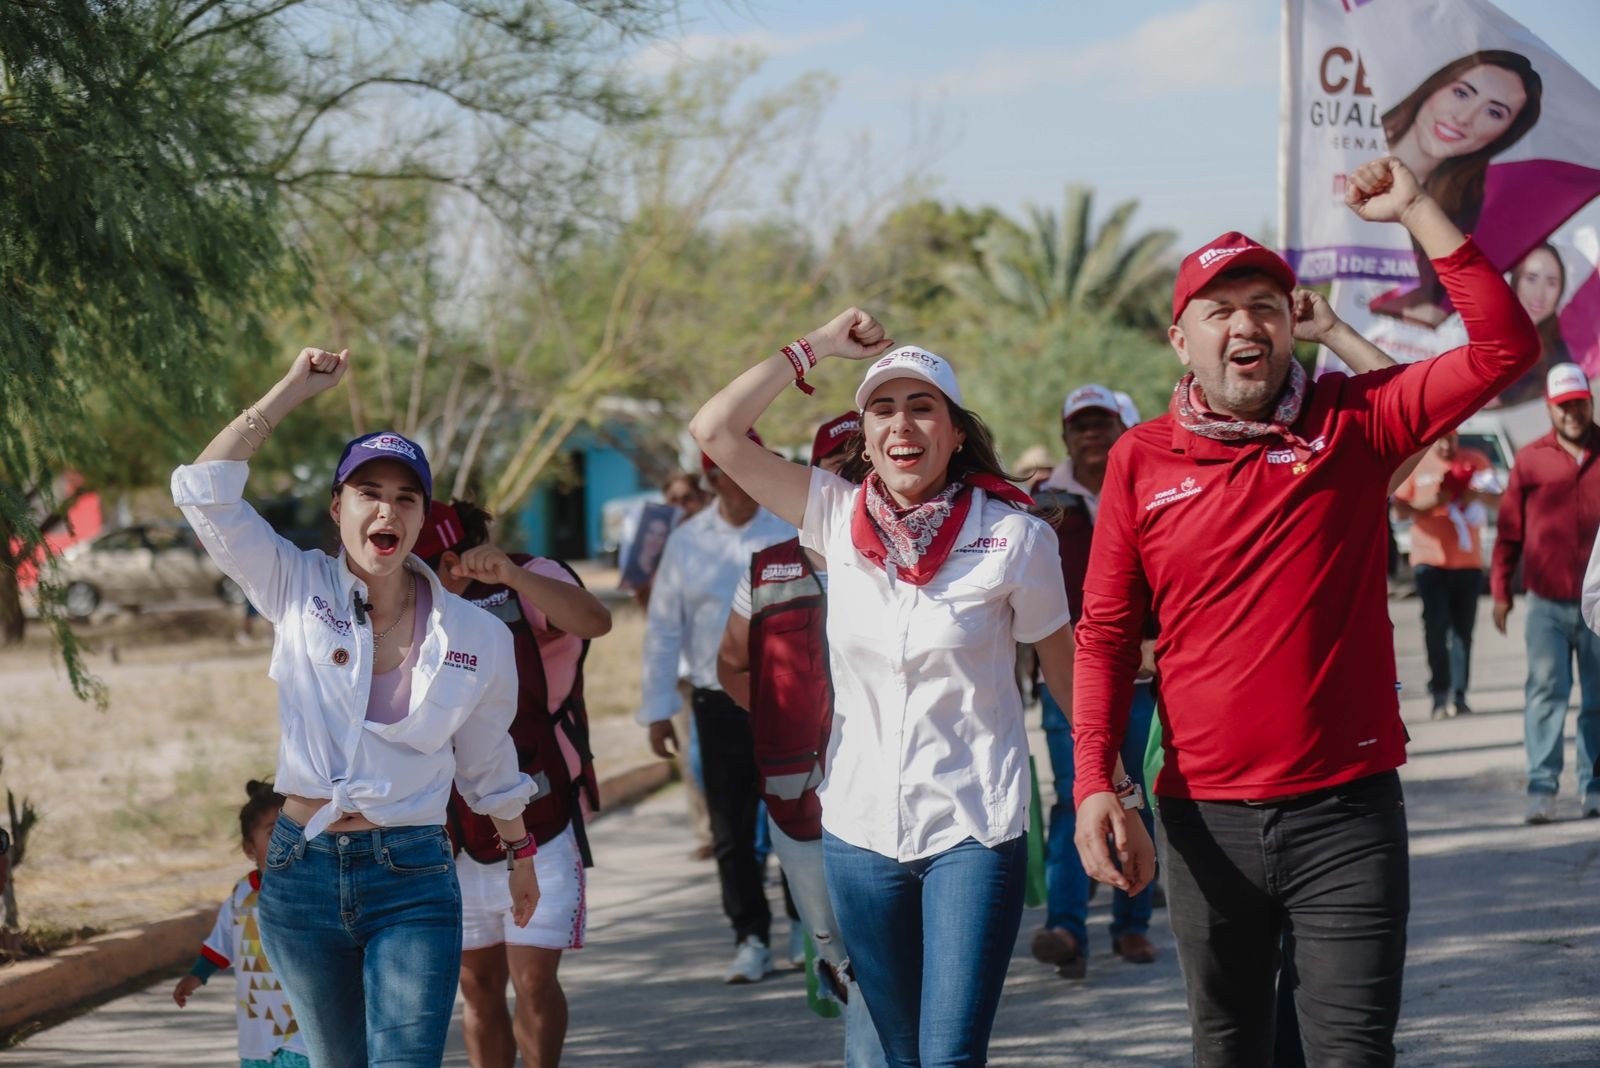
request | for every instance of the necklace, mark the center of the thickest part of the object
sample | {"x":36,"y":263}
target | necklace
{"x":411,"y":592}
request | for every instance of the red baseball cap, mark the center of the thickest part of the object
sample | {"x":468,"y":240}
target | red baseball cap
{"x":442,"y":530}
{"x":832,"y":435}
{"x":707,"y":464}
{"x":1226,"y":253}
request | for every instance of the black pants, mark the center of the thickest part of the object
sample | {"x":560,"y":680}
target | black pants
{"x":1325,"y":877}
{"x":1449,"y":611}
{"x":728,"y":766}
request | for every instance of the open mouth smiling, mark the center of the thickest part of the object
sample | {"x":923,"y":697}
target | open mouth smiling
{"x":905,"y":455}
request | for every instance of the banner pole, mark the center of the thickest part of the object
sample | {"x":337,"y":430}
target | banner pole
{"x":1287,"y":96}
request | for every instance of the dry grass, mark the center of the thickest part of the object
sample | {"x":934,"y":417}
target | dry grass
{"x":139,"y":804}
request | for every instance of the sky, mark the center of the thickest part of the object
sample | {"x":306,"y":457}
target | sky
{"x":1174,"y":102}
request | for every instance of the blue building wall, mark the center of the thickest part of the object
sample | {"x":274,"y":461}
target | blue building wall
{"x":608,"y":473}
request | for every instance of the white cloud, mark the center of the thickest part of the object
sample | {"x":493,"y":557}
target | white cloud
{"x":662,"y":56}
{"x":1215,"y":44}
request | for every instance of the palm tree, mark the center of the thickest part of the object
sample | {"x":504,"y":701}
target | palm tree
{"x":1052,"y":269}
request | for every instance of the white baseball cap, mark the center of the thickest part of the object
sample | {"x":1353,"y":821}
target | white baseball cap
{"x":908,"y":361}
{"x":1565,"y":382}
{"x":1128,"y":409}
{"x":1091,"y":396}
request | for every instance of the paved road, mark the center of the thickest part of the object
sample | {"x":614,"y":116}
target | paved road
{"x":1503,"y":970}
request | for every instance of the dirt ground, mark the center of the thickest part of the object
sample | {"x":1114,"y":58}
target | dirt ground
{"x":138,"y":804}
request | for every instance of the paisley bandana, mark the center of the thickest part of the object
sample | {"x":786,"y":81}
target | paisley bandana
{"x":1188,"y":407}
{"x":918,"y":540}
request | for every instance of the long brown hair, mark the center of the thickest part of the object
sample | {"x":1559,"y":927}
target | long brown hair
{"x":1457,"y":184}
{"x":977,"y":454}
{"x":1549,"y":327}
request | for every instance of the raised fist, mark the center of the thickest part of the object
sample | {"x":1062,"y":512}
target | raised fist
{"x":316,"y":371}
{"x":1312,"y":316}
{"x":1382,"y":190}
{"x":851,"y":335}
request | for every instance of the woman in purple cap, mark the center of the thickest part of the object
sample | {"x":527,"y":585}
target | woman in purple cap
{"x":389,"y":688}
{"x":936,"y":572}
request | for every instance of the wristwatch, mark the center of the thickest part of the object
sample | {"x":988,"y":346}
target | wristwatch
{"x":1130,"y":793}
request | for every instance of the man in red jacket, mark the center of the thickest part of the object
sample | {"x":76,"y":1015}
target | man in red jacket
{"x":1548,"y":520}
{"x":1250,"y":519}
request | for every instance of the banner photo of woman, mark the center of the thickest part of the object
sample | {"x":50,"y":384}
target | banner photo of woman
{"x":1558,"y":286}
{"x":1501,"y":131}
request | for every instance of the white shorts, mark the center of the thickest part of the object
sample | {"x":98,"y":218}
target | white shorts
{"x":559,"y":920}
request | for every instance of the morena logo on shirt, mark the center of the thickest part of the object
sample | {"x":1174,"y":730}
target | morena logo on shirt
{"x":984,"y":545}
{"x":781,"y":572}
{"x":457,"y":659}
{"x":1286,"y":456}
{"x":493,"y":600}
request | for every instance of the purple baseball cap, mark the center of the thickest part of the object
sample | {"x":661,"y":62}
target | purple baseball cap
{"x":385,"y":445}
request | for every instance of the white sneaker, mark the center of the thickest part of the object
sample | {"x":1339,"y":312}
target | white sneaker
{"x":1591,"y":807}
{"x":1541,"y":808}
{"x":751,"y":964}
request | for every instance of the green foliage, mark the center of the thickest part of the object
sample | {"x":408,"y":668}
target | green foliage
{"x":1052,"y":267}
{"x":136,"y":233}
{"x":1015,"y":373}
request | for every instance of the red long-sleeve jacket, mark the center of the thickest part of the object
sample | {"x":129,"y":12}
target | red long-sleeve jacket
{"x":1276,"y":651}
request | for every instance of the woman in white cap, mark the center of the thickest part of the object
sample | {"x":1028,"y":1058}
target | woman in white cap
{"x":937,"y":572}
{"x":389,"y":688}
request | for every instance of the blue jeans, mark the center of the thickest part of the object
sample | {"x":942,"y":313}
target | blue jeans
{"x":1067,"y":903}
{"x":364,"y":929}
{"x":1556,"y":636}
{"x":930,"y":941}
{"x":1449,"y":612}
{"x":808,"y":885}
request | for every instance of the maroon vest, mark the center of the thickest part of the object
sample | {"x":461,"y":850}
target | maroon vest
{"x":533,"y":732}
{"x":1074,"y":530}
{"x":791,"y":694}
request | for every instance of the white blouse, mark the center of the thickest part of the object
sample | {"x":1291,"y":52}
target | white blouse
{"x":463,"y":687}
{"x":929,"y":744}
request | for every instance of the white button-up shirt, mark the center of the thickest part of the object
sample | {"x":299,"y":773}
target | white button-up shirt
{"x":929,"y":744}
{"x":463,"y":687}
{"x":689,"y":602}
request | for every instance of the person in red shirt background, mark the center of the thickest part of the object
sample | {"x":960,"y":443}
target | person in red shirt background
{"x":1250,"y":519}
{"x":1446,"y":499}
{"x":1548,"y":520}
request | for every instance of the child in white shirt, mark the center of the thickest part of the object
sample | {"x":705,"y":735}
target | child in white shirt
{"x":269,"y":1037}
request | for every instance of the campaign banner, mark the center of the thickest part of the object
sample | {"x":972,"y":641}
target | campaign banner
{"x":1559,"y":287}
{"x":643,"y":553}
{"x":1500,"y":130}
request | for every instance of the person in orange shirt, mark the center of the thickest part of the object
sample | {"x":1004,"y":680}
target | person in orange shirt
{"x":1447,"y":499}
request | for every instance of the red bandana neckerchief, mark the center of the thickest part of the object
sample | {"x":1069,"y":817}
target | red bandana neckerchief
{"x":918,"y":540}
{"x":1188,"y":407}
